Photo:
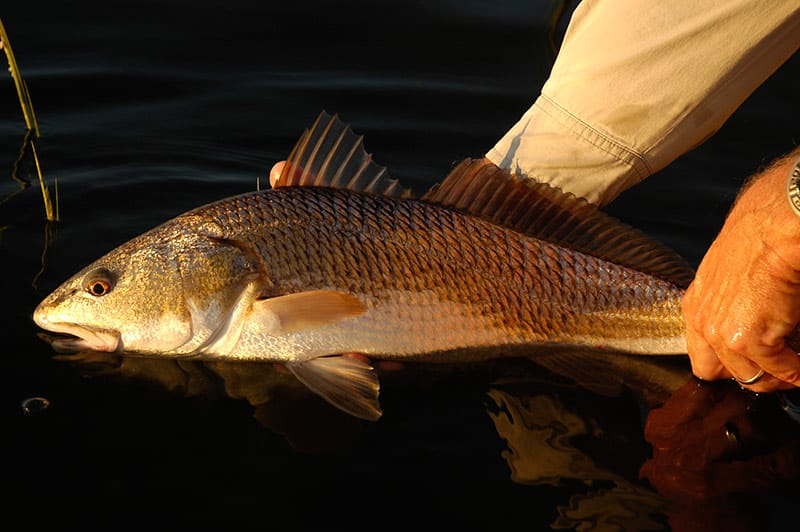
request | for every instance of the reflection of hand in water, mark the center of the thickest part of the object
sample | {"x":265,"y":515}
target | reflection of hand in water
{"x":714,"y":440}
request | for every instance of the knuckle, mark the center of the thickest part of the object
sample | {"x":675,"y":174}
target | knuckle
{"x":711,"y":333}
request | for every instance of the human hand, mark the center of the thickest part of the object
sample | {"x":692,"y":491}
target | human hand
{"x":745,"y":298}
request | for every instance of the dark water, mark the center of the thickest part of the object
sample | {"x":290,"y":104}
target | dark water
{"x":150,"y":108}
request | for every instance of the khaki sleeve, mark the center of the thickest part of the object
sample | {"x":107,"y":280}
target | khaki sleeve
{"x":637,"y":83}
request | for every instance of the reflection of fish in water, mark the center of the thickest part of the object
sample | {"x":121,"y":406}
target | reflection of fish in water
{"x":284,"y":406}
{"x":338,"y":259}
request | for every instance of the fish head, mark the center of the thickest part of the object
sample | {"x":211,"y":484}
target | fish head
{"x":171,"y":287}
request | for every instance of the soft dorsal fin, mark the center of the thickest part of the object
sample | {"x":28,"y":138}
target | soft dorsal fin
{"x":480,"y":188}
{"x":331,"y":155}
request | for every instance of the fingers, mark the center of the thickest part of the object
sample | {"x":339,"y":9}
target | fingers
{"x":705,"y":364}
{"x":725,"y":342}
{"x":275,"y":173}
{"x":780,"y":369}
{"x":757,"y":361}
{"x":284,"y":174}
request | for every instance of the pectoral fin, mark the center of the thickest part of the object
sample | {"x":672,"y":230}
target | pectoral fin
{"x":347,"y":383}
{"x":306,"y":310}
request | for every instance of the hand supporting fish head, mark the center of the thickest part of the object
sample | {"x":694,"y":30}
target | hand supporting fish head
{"x":170,"y":290}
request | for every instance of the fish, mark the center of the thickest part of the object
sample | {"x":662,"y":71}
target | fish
{"x":339,"y":265}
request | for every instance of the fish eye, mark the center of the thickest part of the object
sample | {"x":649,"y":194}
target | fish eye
{"x":98,"y":283}
{"x":99,"y":287}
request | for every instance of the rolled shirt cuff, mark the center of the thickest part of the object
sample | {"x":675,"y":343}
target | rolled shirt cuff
{"x":629,"y":94}
{"x":552,"y":145}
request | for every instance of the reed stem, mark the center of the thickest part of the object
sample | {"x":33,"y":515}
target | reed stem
{"x":19,"y":83}
{"x":30,"y":121}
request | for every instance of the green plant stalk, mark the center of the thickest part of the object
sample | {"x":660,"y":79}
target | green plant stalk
{"x":19,"y":83}
{"x":48,"y":204}
{"x":58,"y":211}
{"x":30,"y":120}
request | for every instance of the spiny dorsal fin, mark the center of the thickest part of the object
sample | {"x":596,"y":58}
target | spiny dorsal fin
{"x":480,"y":188}
{"x":331,"y":155}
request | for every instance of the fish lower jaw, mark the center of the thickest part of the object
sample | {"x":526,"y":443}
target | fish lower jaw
{"x":81,"y":338}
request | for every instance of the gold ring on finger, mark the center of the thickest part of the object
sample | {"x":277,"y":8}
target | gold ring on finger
{"x":752,"y":380}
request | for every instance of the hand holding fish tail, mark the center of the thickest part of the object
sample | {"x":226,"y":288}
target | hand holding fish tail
{"x":745,"y":299}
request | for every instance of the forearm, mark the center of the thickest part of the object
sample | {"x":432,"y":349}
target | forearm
{"x":637,"y":83}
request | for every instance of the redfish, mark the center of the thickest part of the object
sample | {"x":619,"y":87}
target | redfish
{"x":338,"y":258}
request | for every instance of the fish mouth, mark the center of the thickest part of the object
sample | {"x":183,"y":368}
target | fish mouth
{"x":70,"y":337}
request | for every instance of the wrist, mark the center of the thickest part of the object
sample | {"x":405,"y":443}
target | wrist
{"x":765,"y":208}
{"x":787,"y":170}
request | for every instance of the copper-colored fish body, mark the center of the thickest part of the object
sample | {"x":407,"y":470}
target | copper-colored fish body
{"x":339,"y":258}
{"x":435,"y":281}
